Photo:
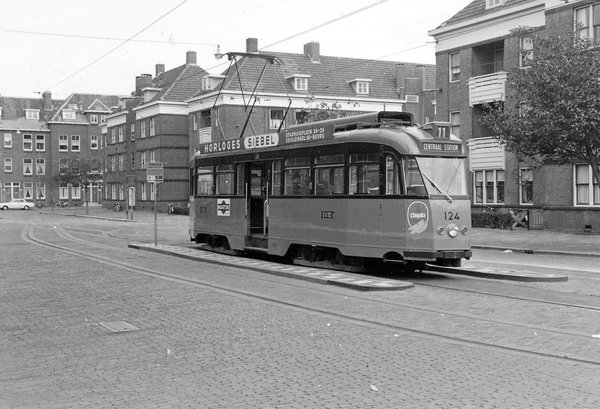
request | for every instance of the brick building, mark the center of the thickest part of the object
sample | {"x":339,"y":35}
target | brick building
{"x":475,"y":51}
{"x":41,"y":134}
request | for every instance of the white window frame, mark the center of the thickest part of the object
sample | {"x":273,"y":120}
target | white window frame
{"x":454,"y":70}
{"x":94,"y":118}
{"x":27,"y":142}
{"x":592,"y":190}
{"x":40,"y":190}
{"x":143,"y":156}
{"x":455,"y":123}
{"x":8,"y":140}
{"x":525,"y":51}
{"x":121,"y":133}
{"x":40,"y":166}
{"x":32,"y":114}
{"x":490,"y":4}
{"x":63,"y":143}
{"x":8,"y":168}
{"x":275,"y":123}
{"x":152,"y":191}
{"x":28,"y":191}
{"x":143,"y":191}
{"x":75,"y":191}
{"x":40,"y":143}
{"x":75,"y":143}
{"x":28,"y":166}
{"x":489,"y":175}
{"x":63,"y":192}
{"x":68,"y":114}
{"x":589,"y":29}
{"x":94,"y":142}
{"x":142,"y":128}
{"x":152,"y":126}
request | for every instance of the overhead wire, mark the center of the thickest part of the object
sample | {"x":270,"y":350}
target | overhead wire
{"x":120,"y":45}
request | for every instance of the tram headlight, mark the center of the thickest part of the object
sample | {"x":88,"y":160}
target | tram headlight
{"x":464,"y":230}
{"x":453,"y":230}
{"x":441,"y":230}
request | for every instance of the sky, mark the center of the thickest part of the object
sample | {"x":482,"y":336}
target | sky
{"x":99,"y":47}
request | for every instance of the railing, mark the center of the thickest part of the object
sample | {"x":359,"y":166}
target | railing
{"x":487,"y":88}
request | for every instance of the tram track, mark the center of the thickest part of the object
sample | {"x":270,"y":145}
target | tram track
{"x":63,"y":235}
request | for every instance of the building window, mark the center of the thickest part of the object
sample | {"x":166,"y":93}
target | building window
{"x":587,"y":192}
{"x":276,"y":118}
{"x":121,"y":133}
{"x":62,"y":165}
{"x":489,"y":186}
{"x":133,"y":161}
{"x":40,"y":166}
{"x":93,"y":118}
{"x":94,"y":142}
{"x":152,"y":191}
{"x":75,"y":143}
{"x":142,"y":129}
{"x":76,"y":192}
{"x":8,"y":140}
{"x":32,"y":114}
{"x":28,"y":190}
{"x":587,"y":22}
{"x":525,"y":51}
{"x":63,"y":143}
{"x":132,"y":132}
{"x":454,"y":67}
{"x":455,"y":124}
{"x":27,"y":142}
{"x":152,"y":155}
{"x":68,"y":114}
{"x":301,"y":84}
{"x":195,"y":122}
{"x":526,"y":186}
{"x":63,"y":192}
{"x":143,"y":160}
{"x":27,"y":166}
{"x":40,"y":143}
{"x":152,"y":126}
{"x":121,"y":159}
{"x":113,"y":136}
{"x":360,"y":85}
{"x":7,"y":165}
{"x":493,"y":3}
{"x":40,"y":190}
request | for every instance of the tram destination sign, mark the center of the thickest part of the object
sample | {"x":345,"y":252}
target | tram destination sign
{"x":441,"y":147}
{"x":304,"y":135}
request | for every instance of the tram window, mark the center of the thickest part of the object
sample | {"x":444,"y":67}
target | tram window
{"x":205,"y":180}
{"x":414,"y":181}
{"x":392,"y":180}
{"x":364,"y":173}
{"x":241,"y":179}
{"x":297,"y":177}
{"x":225,"y":179}
{"x":329,"y":174}
{"x":276,"y":175}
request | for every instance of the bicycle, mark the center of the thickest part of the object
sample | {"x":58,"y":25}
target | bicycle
{"x":41,"y":205}
{"x":117,"y":207}
{"x":170,"y":209}
{"x":62,"y":204}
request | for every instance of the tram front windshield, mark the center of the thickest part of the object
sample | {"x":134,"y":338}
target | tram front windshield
{"x":442,"y":176}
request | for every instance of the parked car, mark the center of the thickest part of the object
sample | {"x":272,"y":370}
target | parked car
{"x":17,"y":204}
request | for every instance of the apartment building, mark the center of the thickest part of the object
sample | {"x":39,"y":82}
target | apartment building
{"x":475,"y":53}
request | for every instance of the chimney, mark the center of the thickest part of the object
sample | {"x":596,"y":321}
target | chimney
{"x":313,"y":51}
{"x":160,"y":68}
{"x":47,"y":97}
{"x":190,"y":58}
{"x":141,"y":82}
{"x":252,"y":45}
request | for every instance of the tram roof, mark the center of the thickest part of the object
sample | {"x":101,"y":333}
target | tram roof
{"x":393,"y":129}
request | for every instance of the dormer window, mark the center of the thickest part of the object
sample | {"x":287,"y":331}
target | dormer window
{"x":68,"y":114}
{"x":299,"y":81}
{"x":360,"y":85}
{"x":149,"y":93}
{"x":493,"y":3}
{"x":32,"y":114}
{"x":210,"y":82}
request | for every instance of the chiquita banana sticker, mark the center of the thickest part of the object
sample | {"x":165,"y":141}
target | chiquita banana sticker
{"x":417,"y":217}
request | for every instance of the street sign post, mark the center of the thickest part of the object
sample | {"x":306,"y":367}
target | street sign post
{"x":154,"y":174}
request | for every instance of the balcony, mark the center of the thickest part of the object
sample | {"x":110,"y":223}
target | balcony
{"x":487,"y":88}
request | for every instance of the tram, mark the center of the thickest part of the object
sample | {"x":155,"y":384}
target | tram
{"x":346,"y":193}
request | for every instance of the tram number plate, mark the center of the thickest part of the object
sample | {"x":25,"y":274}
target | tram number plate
{"x":204,"y":210}
{"x":326,"y":215}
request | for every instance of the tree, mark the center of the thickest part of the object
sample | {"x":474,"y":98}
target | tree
{"x":81,"y":171}
{"x":323,"y":110}
{"x":551,"y":113}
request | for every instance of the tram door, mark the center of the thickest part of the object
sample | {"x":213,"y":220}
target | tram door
{"x":258,"y":199}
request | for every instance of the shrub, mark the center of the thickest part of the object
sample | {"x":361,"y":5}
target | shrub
{"x":491,"y":219}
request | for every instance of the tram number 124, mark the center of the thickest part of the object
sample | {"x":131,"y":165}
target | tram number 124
{"x":451,"y":216}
